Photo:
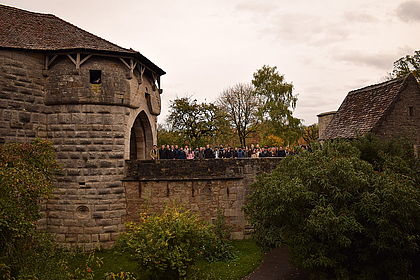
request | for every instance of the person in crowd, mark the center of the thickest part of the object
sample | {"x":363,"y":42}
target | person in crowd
{"x":168,"y":152}
{"x":208,"y":153}
{"x":173,"y":152}
{"x":162,"y":152}
{"x":216,"y":152}
{"x":154,"y":152}
{"x":221,"y":152}
{"x":177,"y":152}
{"x":182,"y":154}
{"x":196,"y":153}
{"x":228,"y":153}
{"x":265,"y":153}
{"x":190,"y":153}
{"x":235,"y":153}
{"x":202,"y":149}
{"x":255,"y":153}
{"x":241,"y":153}
{"x":248,"y":152}
{"x":281,"y":152}
{"x":273,"y":151}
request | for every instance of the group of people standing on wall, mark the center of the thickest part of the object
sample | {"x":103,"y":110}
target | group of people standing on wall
{"x":254,"y":151}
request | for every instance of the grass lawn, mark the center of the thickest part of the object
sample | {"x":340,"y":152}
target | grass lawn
{"x":248,"y":257}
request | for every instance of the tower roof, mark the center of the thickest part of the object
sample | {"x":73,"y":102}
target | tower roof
{"x":363,"y":109}
{"x":20,"y":29}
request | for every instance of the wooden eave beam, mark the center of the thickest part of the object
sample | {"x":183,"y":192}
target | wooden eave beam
{"x":141,"y":70}
{"x":49,"y":60}
{"x":78,"y":61}
{"x":71,"y":59}
{"x":125,"y":63}
{"x":85,"y":59}
{"x":131,"y":67}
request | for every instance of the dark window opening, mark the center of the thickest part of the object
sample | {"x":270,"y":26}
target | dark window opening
{"x":411,"y":111}
{"x":95,"y":76}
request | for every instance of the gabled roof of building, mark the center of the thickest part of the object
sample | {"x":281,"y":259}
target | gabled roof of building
{"x":20,"y":29}
{"x":363,"y":109}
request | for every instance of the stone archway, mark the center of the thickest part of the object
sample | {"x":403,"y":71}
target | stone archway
{"x":141,"y":137}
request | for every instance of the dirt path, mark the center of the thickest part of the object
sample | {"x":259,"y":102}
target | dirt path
{"x":276,"y":266}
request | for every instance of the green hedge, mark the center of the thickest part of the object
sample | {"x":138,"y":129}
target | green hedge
{"x":165,"y":244}
{"x":341,"y":216}
{"x":26,"y":177}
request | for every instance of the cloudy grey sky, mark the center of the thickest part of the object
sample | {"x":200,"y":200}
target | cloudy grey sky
{"x":325,"y":48}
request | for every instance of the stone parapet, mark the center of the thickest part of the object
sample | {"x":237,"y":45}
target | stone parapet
{"x":175,"y":169}
{"x":207,"y":187}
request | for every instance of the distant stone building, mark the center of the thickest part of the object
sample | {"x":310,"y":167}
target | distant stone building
{"x":97,"y":102}
{"x":389,"y":109}
{"x":323,"y":120}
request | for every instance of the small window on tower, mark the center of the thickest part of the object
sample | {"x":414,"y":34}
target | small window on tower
{"x":95,"y":76}
{"x":411,"y":111}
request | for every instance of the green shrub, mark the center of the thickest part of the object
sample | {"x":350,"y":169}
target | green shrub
{"x":45,"y":259}
{"x":167,"y":243}
{"x":5,"y":272}
{"x":120,"y":276}
{"x":394,"y":156}
{"x":26,"y":175}
{"x":42,"y":259}
{"x":340,"y":217}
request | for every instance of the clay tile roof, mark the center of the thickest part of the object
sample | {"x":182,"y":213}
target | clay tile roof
{"x":362,"y":109}
{"x":20,"y":29}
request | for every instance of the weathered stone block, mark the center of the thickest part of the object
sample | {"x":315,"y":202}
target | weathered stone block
{"x":109,"y":229}
{"x":84,"y":238}
{"x":72,"y":229}
{"x":104,"y":237}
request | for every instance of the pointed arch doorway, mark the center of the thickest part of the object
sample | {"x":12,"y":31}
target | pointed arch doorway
{"x":141,"y":137}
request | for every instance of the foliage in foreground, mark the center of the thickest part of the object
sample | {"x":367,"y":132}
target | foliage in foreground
{"x":27,"y":173}
{"x":341,"y":218}
{"x":248,"y":257}
{"x":26,"y":177}
{"x":167,"y":243}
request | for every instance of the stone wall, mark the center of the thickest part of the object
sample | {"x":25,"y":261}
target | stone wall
{"x":22,"y":109}
{"x":400,"y":121}
{"x":323,"y":120}
{"x":66,"y":85}
{"x":90,"y":127}
{"x":90,"y":124}
{"x":89,"y":204}
{"x":204,"y":186}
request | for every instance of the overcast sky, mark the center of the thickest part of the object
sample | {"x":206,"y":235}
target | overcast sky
{"x":325,"y":48}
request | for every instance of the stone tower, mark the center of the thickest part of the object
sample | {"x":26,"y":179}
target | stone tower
{"x":323,"y":120}
{"x":97,"y":102}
